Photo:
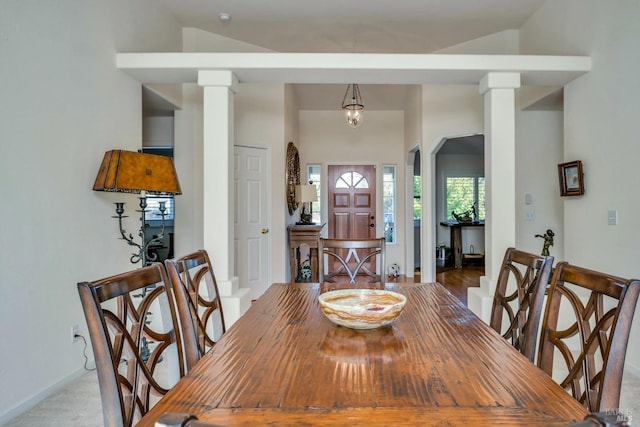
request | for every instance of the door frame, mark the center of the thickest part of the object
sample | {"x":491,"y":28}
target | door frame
{"x":268,"y":222}
{"x":409,"y":231}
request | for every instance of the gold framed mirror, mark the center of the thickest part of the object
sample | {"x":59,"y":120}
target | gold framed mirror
{"x":292,"y":177}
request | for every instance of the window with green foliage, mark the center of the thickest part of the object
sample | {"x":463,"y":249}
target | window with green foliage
{"x":389,"y":202}
{"x":462,"y":193}
{"x":417,"y":200}
{"x":314,"y":175}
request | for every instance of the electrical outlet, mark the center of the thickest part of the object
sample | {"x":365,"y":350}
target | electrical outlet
{"x":74,"y":333}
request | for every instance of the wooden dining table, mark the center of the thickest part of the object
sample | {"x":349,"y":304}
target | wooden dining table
{"x":284,"y":363}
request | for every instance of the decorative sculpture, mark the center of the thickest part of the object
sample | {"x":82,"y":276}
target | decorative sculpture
{"x":548,"y":241}
{"x":466,"y":216}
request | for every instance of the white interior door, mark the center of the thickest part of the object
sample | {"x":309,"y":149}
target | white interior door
{"x":251,"y":217}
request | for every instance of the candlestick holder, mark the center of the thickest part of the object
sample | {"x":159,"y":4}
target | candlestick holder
{"x":142,"y":254}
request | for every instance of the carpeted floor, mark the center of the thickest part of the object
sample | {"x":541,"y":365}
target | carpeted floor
{"x":78,"y":404}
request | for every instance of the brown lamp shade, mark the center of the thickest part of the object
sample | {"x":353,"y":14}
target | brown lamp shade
{"x":133,"y":172}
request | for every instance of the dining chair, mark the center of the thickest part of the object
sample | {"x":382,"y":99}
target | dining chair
{"x":519,"y":298}
{"x":198,"y":301}
{"x":136,"y":341}
{"x":597,"y":419}
{"x":588,"y":319}
{"x":358,"y":259}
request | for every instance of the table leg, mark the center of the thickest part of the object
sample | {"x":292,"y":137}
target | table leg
{"x":313,"y":263}
{"x":293,"y":264}
{"x":456,"y":246}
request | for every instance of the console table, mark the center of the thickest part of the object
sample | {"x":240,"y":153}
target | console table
{"x":304,"y":235}
{"x":456,"y":238}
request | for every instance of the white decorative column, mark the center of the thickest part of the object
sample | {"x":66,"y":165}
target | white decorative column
{"x":218,"y":195}
{"x":499,"y":154}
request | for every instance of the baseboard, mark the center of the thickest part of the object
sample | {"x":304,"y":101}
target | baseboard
{"x":29,"y":403}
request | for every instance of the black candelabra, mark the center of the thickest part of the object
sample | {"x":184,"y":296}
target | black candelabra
{"x":142,"y":253}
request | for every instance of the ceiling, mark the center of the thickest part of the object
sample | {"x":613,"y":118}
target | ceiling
{"x":355,"y":26}
{"x":466,"y":144}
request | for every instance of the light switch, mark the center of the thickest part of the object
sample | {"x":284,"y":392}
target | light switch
{"x":528,"y":199}
{"x":612,"y":217}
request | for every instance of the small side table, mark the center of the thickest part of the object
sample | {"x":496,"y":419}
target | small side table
{"x":456,"y":238}
{"x":307,"y":235}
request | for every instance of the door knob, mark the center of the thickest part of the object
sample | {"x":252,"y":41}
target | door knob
{"x":264,"y":230}
{"x":372,"y":225}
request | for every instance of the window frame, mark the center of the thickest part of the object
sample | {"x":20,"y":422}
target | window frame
{"x":314,"y":173}
{"x":394,"y":198}
{"x":476,"y":175}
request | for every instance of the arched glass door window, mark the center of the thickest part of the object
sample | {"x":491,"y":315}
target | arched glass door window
{"x":352,"y":179}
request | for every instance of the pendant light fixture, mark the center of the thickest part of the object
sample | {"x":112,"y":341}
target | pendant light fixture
{"x":352,"y":105}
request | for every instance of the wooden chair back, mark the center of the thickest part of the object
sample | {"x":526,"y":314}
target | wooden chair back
{"x":519,"y":298}
{"x":360,"y":259}
{"x":136,"y":341}
{"x":198,"y":301}
{"x":588,"y":319}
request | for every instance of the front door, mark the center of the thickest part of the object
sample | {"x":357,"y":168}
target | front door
{"x":352,"y":202}
{"x":252,"y":220}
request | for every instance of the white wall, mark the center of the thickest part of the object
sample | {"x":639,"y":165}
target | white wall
{"x":197,"y":40}
{"x":501,"y":43}
{"x":538,"y":152}
{"x":448,"y":111}
{"x":265,"y":116}
{"x":412,"y":141}
{"x":601,"y":128}
{"x":187,"y":157}
{"x":260,"y":121}
{"x":64,"y":105}
{"x":325,"y":138}
{"x":158,"y":131}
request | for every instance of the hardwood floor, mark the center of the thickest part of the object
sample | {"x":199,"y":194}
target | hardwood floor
{"x":456,"y":280}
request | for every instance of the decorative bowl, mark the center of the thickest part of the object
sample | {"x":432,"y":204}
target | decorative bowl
{"x":362,"y":308}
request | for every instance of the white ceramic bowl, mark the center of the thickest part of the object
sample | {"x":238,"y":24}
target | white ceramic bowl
{"x":362,"y":308}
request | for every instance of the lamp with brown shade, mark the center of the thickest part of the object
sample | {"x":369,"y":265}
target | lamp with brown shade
{"x":132,"y":172}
